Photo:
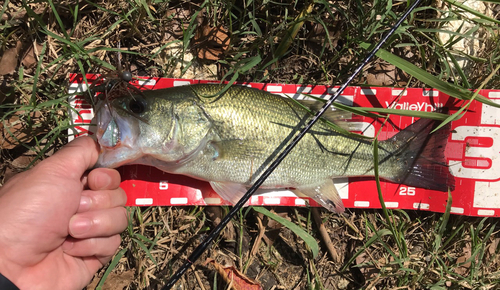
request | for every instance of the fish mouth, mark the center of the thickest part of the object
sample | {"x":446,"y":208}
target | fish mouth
{"x":117,"y":136}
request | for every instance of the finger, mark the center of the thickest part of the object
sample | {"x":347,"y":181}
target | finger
{"x":98,"y":223}
{"x":102,"y":199}
{"x":103,"y":178}
{"x":99,"y":247}
{"x":73,"y":159}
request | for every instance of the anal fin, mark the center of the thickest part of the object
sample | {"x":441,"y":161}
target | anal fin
{"x":325,"y":194}
{"x":229,"y":191}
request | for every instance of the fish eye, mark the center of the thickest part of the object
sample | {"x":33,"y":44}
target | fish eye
{"x":137,"y":106}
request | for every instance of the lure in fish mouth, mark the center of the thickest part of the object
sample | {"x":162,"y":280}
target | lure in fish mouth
{"x":109,"y":132}
{"x":227,"y":138}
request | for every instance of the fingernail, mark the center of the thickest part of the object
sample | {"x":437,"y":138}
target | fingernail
{"x":79,"y":226}
{"x":85,"y":204}
{"x":103,"y":180}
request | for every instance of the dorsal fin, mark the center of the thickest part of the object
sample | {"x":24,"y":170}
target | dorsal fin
{"x":333,"y":116}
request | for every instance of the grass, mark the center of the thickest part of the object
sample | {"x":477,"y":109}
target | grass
{"x":316,"y":42}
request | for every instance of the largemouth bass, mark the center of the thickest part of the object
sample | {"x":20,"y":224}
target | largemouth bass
{"x":228,"y":139}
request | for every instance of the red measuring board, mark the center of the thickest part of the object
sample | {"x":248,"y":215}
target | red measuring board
{"x":472,"y":153}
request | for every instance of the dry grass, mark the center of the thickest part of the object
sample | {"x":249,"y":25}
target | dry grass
{"x":43,"y":41}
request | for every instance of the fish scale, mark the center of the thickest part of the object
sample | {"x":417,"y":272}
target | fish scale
{"x":262,"y":122}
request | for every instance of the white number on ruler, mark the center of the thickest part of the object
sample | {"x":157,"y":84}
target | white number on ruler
{"x":404,"y":190}
{"x":163,"y":185}
{"x":492,"y":173}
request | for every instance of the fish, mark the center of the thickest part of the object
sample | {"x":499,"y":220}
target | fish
{"x":229,"y":136}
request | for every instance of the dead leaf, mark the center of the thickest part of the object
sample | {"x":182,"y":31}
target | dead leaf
{"x":19,"y":164}
{"x":8,"y":63}
{"x":24,"y":160}
{"x":8,"y":174}
{"x":215,"y":214}
{"x":30,"y":58}
{"x":115,"y":281}
{"x":273,"y":227}
{"x":317,"y":33}
{"x":211,"y":42}
{"x":369,"y":270}
{"x":383,"y":74}
{"x":234,"y":278}
{"x":281,"y":212}
{"x":15,"y":130}
{"x":20,"y":13}
{"x":180,"y":21}
{"x":463,"y":266}
{"x":4,"y":89}
{"x":493,"y":246}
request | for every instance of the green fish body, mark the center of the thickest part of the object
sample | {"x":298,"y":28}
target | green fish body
{"x":229,"y":138}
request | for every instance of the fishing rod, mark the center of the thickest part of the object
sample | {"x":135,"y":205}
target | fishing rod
{"x":215,"y":233}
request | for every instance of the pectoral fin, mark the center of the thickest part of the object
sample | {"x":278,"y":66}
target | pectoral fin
{"x":229,"y":191}
{"x":325,"y":194}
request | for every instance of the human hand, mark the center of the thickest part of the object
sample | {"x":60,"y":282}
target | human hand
{"x":58,"y":224}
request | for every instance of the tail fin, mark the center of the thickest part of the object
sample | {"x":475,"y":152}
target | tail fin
{"x":423,"y":162}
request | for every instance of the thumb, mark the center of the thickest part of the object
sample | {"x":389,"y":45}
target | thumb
{"x":73,"y":159}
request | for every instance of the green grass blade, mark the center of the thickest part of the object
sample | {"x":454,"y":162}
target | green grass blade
{"x":145,"y":249}
{"x":308,"y":239}
{"x":408,"y":113}
{"x":428,"y":79}
{"x":58,"y":18}
{"x":472,"y":11}
{"x":112,"y":265}
{"x":457,"y":115}
{"x":459,"y":70}
{"x":373,"y":239}
{"x":37,"y":74}
{"x":455,"y":33}
{"x":443,"y":223}
{"x":377,"y":181}
{"x":146,"y":8}
{"x":291,"y":33}
{"x":251,"y":62}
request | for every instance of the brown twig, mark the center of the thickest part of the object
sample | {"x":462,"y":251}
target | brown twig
{"x":324,"y":235}
{"x":256,"y":245}
{"x":197,"y":278}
